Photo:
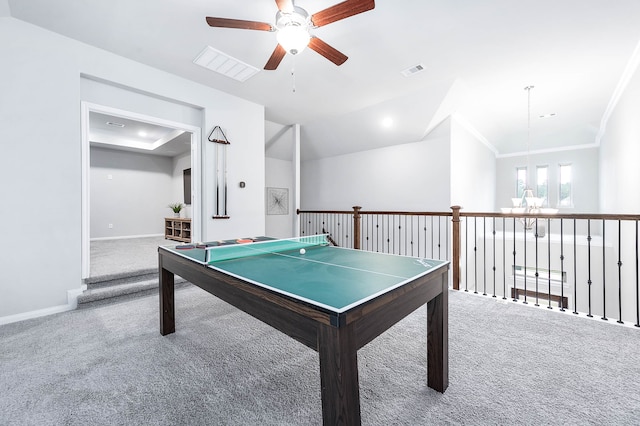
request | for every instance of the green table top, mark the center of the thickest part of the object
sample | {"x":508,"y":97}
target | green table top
{"x":333,"y":278}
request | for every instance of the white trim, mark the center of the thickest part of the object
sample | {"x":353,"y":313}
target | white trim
{"x":72,"y":303}
{"x":627,"y":74}
{"x":196,"y":170}
{"x":549,"y":150}
{"x":469,"y":128}
{"x":126,"y":237}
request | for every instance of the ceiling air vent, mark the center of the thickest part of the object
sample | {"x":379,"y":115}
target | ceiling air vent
{"x":413,"y":70}
{"x":224,"y":64}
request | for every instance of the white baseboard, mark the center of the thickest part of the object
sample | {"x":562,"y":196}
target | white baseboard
{"x":72,"y":303}
{"x":126,"y":237}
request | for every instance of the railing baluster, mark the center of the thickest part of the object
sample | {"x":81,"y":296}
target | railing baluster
{"x":475,"y":256}
{"x":466,"y":254}
{"x":604,"y":269}
{"x":549,"y":260}
{"x":536,"y":274}
{"x":515,"y":290}
{"x":504,"y":259}
{"x":432,"y":239}
{"x":525,"y":264}
{"x":589,"y":263}
{"x":439,"y":238}
{"x":620,"y":273}
{"x":484,"y":256}
{"x":562,"y":307}
{"x":575,"y":270}
{"x":637,"y":324}
{"x":494,"y":257}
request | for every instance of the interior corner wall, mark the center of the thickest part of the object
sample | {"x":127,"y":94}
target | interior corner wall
{"x":45,"y":172}
{"x":473,"y":171}
{"x":130,"y":193}
{"x":619,"y":154}
{"x":409,"y":177}
{"x":279,"y":174}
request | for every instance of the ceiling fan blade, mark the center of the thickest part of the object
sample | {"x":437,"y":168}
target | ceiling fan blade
{"x":276,"y":58}
{"x":327,"y":51}
{"x":285,"y":6}
{"x":239,"y":24}
{"x":340,"y":11}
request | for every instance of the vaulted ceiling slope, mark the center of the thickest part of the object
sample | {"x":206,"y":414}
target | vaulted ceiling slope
{"x":477,"y":59}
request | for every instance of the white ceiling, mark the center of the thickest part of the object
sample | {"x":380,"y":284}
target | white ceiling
{"x":478,"y":57}
{"x":113,"y":132}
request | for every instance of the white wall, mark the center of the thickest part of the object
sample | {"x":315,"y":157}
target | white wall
{"x":584,"y":168}
{"x":108,"y":94}
{"x":620,"y":154}
{"x":40,"y":110}
{"x":130,"y":191}
{"x":4,"y":8}
{"x":412,"y":176}
{"x":473,"y":171}
{"x":279,"y":174}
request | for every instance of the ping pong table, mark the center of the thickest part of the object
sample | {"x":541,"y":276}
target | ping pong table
{"x":333,"y":300}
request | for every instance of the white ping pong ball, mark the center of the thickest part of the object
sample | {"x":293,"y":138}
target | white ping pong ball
{"x":302,"y":251}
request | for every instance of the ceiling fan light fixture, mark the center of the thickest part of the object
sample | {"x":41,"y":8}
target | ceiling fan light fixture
{"x":293,"y":38}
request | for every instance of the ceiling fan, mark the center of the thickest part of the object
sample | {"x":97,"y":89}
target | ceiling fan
{"x":293,"y":25}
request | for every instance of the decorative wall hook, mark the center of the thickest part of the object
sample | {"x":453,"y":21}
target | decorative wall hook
{"x":217,"y":136}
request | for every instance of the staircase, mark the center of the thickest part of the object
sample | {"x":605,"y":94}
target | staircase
{"x":139,"y":283}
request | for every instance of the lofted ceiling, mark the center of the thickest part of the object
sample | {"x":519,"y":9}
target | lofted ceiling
{"x":477,"y":59}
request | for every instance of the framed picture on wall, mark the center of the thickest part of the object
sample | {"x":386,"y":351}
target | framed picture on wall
{"x":277,"y":201}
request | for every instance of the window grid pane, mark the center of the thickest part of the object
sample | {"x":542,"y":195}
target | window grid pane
{"x":565,"y":192}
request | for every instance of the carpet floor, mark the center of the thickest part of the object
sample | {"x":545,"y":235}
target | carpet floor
{"x":123,"y":256}
{"x":509,"y":364}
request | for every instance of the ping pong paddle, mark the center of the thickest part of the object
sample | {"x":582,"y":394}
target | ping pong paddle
{"x":185,"y":247}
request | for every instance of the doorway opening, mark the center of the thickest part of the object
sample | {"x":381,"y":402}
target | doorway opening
{"x":127,"y":147}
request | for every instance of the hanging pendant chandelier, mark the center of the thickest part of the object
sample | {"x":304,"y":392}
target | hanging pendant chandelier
{"x":528,"y":203}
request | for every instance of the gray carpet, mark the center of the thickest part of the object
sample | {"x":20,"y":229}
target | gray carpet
{"x":115,"y":258}
{"x":509,"y":364}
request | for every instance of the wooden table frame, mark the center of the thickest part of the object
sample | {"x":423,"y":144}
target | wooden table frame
{"x":336,"y":337}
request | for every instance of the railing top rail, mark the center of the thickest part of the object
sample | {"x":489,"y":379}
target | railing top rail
{"x":381,"y":212}
{"x":325,"y":211}
{"x":593,"y":216}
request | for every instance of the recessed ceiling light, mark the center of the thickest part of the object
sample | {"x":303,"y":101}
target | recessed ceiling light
{"x":551,"y":114}
{"x":142,"y":134}
{"x":387,"y":122}
{"x":111,"y":123}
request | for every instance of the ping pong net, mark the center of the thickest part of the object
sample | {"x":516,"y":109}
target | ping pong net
{"x":229,"y":252}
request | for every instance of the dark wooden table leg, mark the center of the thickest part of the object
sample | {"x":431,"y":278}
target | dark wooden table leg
{"x":167,"y":311}
{"x":438,"y":339}
{"x":339,"y":376}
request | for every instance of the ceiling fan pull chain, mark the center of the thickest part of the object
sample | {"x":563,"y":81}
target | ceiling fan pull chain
{"x":293,"y":73}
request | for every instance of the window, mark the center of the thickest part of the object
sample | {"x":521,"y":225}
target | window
{"x":542,"y":184}
{"x":521,"y":181}
{"x":565,"y":192}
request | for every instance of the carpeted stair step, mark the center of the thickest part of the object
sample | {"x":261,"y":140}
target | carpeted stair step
{"x":121,"y":276}
{"x":120,"y":289}
{"x":111,"y":280}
